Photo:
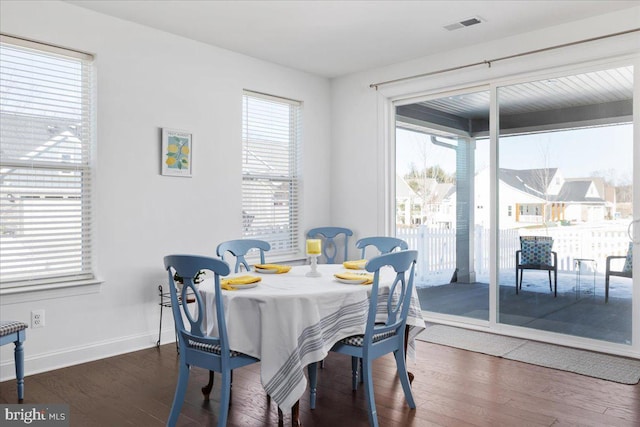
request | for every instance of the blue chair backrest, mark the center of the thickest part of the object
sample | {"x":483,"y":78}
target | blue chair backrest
{"x":239,"y":249}
{"x":329,"y":247}
{"x":187,"y":267}
{"x":384,"y":244}
{"x":400,"y":292}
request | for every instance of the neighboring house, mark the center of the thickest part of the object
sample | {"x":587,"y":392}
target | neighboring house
{"x":534,"y":196}
{"x":608,"y":193}
{"x":583,"y":201}
{"x":50,"y":140}
{"x":440,"y":211}
{"x":435,"y":209}
{"x":408,"y":203}
{"x":523,"y":199}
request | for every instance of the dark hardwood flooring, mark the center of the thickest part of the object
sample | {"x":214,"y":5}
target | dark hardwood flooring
{"x":452,"y":388}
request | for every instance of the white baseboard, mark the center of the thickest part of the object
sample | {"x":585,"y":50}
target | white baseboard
{"x":44,"y":362}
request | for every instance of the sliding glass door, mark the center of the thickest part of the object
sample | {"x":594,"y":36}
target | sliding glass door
{"x":560,"y":189}
{"x":442,"y":199}
{"x":565,"y":170}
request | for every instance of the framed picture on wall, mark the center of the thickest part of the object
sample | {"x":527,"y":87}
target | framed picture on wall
{"x":176,"y":152}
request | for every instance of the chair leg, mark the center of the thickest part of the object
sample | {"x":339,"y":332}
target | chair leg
{"x":404,"y":378}
{"x":361,"y":376}
{"x":606,"y":288}
{"x":516,"y":280}
{"x":206,"y":390}
{"x":550,"y":288}
{"x":368,"y":388}
{"x":354,"y":373}
{"x":19,"y":361}
{"x":225,"y":396}
{"x":295,"y":415}
{"x":313,"y":382}
{"x":178,"y":398}
{"x":555,"y":283}
{"x":521,"y":271}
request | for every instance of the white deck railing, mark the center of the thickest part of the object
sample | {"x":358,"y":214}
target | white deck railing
{"x":437,"y":248}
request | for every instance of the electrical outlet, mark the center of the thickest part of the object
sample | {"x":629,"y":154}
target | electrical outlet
{"x":37,"y":318}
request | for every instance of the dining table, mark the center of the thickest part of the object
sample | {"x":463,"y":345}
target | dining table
{"x":290,"y":320}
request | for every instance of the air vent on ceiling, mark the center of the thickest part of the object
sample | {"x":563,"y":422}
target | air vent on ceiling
{"x":464,"y":23}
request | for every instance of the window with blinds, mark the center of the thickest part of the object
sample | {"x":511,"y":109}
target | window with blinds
{"x":45,"y":164}
{"x":271,"y":183}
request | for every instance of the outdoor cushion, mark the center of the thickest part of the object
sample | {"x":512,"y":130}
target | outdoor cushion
{"x":536,"y":252}
{"x":628,"y":266}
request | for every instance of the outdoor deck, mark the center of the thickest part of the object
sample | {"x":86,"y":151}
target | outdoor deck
{"x":583,"y":314}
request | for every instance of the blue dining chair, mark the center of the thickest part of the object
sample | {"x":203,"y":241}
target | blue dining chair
{"x":384,"y":244}
{"x":239,"y":249}
{"x":329,"y":244}
{"x":196,"y":348}
{"x":13,"y":331}
{"x":380,"y":338}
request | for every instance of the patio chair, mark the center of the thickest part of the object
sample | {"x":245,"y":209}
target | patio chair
{"x":625,"y":272}
{"x":239,"y":249}
{"x":535,"y":254}
{"x":329,"y":246}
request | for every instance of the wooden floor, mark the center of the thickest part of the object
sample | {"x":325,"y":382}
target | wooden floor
{"x":452,"y":388}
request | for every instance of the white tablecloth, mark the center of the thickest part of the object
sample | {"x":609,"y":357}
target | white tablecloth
{"x":289,"y":321}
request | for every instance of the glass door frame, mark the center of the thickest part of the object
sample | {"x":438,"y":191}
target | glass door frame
{"x":445,"y":318}
{"x":387,"y":106}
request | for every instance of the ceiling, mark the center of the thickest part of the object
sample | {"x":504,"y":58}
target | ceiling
{"x":334,"y":38}
{"x":579,"y":100}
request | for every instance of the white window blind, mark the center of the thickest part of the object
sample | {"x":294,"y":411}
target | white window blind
{"x":271,"y":183}
{"x":45,"y":164}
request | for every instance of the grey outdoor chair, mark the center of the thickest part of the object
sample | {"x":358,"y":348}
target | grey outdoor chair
{"x":625,"y":272}
{"x":535,"y":254}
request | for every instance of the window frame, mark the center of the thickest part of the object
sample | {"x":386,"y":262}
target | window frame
{"x":81,"y":275}
{"x":284,"y":236}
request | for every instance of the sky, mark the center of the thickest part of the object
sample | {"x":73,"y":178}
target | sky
{"x":577,"y":153}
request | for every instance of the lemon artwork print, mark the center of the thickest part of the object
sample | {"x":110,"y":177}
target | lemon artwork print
{"x":178,"y":153}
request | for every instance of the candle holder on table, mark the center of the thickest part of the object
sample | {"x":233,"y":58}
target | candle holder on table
{"x":313,"y":252}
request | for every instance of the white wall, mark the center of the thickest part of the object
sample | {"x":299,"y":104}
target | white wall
{"x":146,"y":80}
